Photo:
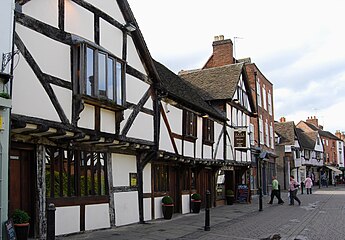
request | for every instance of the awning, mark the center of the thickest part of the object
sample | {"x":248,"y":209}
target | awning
{"x":334,"y":169}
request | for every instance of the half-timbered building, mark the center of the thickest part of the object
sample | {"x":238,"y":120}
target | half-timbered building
{"x":83,"y":121}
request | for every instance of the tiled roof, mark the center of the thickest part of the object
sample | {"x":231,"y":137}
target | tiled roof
{"x":328,"y":135}
{"x":286,"y":130}
{"x":307,"y":139}
{"x":180,"y":90}
{"x":215,"y":83}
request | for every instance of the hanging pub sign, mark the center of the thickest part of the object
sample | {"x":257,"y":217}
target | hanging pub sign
{"x":240,"y":136}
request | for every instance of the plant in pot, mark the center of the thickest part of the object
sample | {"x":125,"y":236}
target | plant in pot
{"x":230,"y":197}
{"x":196,"y":202}
{"x":21,"y":224}
{"x":168,"y":207}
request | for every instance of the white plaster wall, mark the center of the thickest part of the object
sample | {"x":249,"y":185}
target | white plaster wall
{"x":133,"y":57}
{"x":175,"y":118}
{"x":97,"y":216}
{"x":64,"y":97}
{"x":142,"y":127}
{"x":49,"y":15}
{"x":178,"y":145}
{"x":135,"y":89}
{"x":107,"y":121}
{"x":230,"y":151}
{"x":147,"y":209}
{"x":67,"y":220}
{"x":29,"y":97}
{"x":149,"y":104}
{"x":185,"y":203}
{"x":126,"y":208}
{"x":217,"y":132}
{"x":109,"y":7}
{"x":188,"y":149}
{"x":111,"y":38}
{"x":319,"y":147}
{"x":43,"y":48}
{"x":6,"y":27}
{"x":228,"y":111}
{"x":87,"y":117}
{"x":158,"y":207}
{"x":207,"y":151}
{"x":78,"y":20}
{"x":122,"y":165}
{"x":147,"y":178}
{"x":199,"y":146}
{"x":164,"y":139}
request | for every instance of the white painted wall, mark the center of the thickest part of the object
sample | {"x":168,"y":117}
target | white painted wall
{"x":230,"y":151}
{"x":164,"y":139}
{"x":109,"y":7}
{"x":147,"y":178}
{"x":133,"y":57}
{"x":97,"y":216}
{"x":126,"y":208}
{"x":158,"y":207}
{"x":107,"y":121}
{"x":198,"y":142}
{"x":122,"y":165}
{"x":147,"y":209}
{"x":218,"y":132}
{"x":175,"y":118}
{"x":6,"y":26}
{"x":49,"y":15}
{"x":185,"y":203}
{"x":111,"y":38}
{"x":208,"y":152}
{"x":135,"y":89}
{"x":87,"y":117}
{"x":67,"y":220}
{"x":188,"y":149}
{"x":78,"y":20}
{"x":64,"y":97}
{"x":142,"y":127}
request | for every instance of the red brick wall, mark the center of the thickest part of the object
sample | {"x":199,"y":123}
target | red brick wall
{"x":222,"y":54}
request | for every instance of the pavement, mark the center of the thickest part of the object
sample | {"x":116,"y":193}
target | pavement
{"x":321,"y":216}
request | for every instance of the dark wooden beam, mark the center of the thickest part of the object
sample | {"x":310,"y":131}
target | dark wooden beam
{"x":61,"y":23}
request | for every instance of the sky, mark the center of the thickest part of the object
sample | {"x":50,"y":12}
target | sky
{"x":299,"y":45}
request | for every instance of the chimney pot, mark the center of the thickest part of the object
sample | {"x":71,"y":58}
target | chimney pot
{"x":221,"y":37}
{"x":216,"y":38}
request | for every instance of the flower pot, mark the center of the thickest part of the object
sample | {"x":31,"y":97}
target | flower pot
{"x":196,"y":205}
{"x":168,"y":210}
{"x":230,"y":200}
{"x":22,"y":231}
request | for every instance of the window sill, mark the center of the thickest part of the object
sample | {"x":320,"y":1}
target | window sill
{"x":190,"y":138}
{"x":101,"y":102}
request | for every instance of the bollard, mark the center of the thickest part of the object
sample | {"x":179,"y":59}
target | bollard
{"x":207,"y":211}
{"x":302,"y":184}
{"x":260,"y":199}
{"x":51,"y":221}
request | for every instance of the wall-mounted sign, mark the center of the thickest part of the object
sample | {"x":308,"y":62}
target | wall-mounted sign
{"x":240,"y":138}
{"x":133,"y":179}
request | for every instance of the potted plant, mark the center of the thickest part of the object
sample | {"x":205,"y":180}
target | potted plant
{"x":196,"y":202}
{"x":168,"y":207}
{"x":230,"y":197}
{"x":21,"y":224}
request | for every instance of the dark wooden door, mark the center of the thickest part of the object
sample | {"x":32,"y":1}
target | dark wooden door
{"x":173,"y":187}
{"x":22,"y":183}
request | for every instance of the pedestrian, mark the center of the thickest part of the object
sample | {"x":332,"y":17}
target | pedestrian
{"x":293,"y":187}
{"x":308,"y":182}
{"x":275,"y":191}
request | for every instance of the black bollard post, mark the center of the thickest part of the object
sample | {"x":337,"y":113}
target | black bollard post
{"x":51,"y":221}
{"x":260,"y":199}
{"x":302,"y":185}
{"x":207,"y":211}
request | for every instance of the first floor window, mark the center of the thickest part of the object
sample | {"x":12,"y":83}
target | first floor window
{"x":208,"y":131}
{"x":189,"y":124}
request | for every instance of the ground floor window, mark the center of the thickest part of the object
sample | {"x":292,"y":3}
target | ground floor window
{"x":161,"y":178}
{"x":75,"y":173}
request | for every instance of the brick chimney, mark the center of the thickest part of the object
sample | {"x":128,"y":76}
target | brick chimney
{"x":222,"y":53}
{"x":282,"y":119}
{"x":314,"y":121}
{"x":338,"y":134}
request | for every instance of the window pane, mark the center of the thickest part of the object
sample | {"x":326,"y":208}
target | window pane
{"x":110,"y":83}
{"x":118,"y":83}
{"x":102,"y":75}
{"x":89,"y":72}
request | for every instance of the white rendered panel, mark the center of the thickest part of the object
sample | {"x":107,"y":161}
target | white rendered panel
{"x":126,"y":208}
{"x":6,"y":26}
{"x":64,"y":97}
{"x":43,"y":48}
{"x":230,"y":151}
{"x":97,"y":216}
{"x":185,"y":204}
{"x":142,"y":127}
{"x":147,"y":209}
{"x":174,"y":116}
{"x":133,"y":57}
{"x":158,"y":207}
{"x":178,"y":145}
{"x":107,"y":121}
{"x":207,"y":152}
{"x":228,"y":111}
{"x":48,"y":16}
{"x":147,"y":178}
{"x":218,"y":141}
{"x":198,"y":142}
{"x":164,"y":139}
{"x":87,"y":117}
{"x":149,"y":104}
{"x":111,"y":38}
{"x":135,"y":89}
{"x":29,"y":97}
{"x":79,"y":21}
{"x":188,"y":149}
{"x":122,"y":165}
{"x":67,"y":220}
{"x":110,"y":7}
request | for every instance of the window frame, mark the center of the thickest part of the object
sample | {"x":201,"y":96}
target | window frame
{"x":160,"y":177}
{"x":189,"y":126}
{"x":207,"y":131}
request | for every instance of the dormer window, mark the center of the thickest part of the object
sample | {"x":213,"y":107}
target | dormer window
{"x":100,"y":76}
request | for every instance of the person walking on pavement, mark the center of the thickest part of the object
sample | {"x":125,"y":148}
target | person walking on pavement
{"x":293,"y":187}
{"x":275,"y":191}
{"x":308,"y":184}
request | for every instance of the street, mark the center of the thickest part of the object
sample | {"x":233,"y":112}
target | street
{"x":320,"y":217}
